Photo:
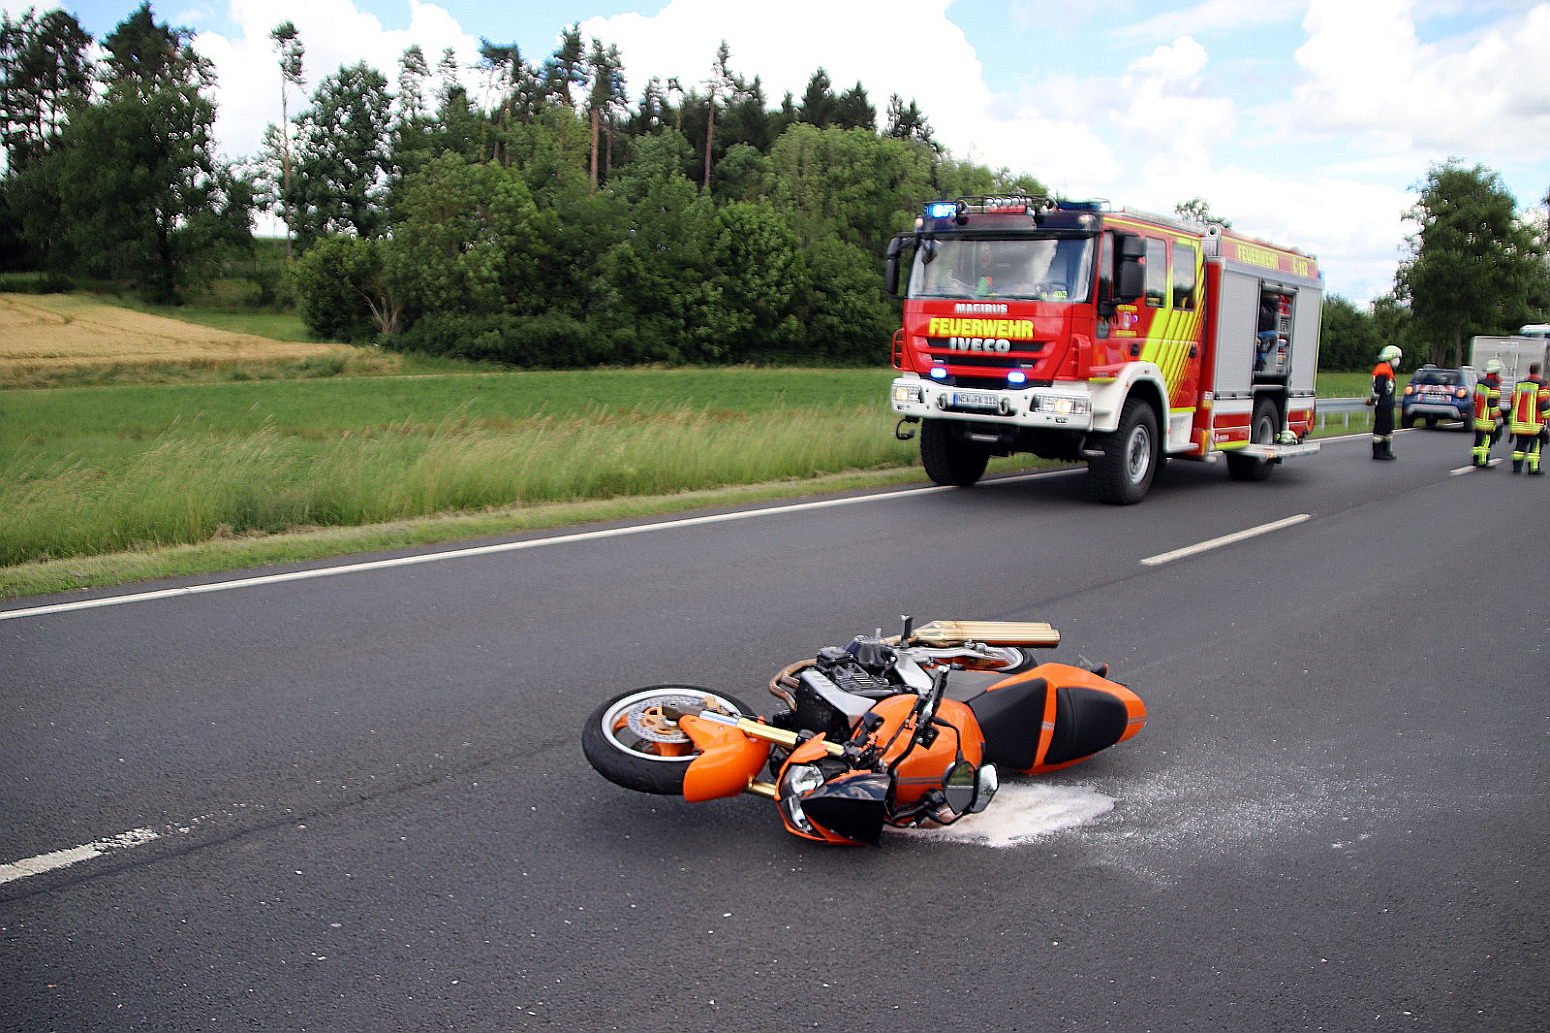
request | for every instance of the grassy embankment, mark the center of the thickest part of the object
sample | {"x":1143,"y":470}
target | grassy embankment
{"x":159,"y":448}
{"x":188,"y":451}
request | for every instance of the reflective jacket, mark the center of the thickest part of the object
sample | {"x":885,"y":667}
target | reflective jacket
{"x":1488,"y":402}
{"x":1530,"y":399}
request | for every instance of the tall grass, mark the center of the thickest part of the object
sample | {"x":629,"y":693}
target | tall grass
{"x":193,"y":482}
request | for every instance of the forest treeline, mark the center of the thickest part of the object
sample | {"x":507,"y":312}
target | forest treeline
{"x":539,"y":217}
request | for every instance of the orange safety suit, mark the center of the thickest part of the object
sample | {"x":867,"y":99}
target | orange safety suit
{"x":1530,"y":401}
{"x":1488,"y":418}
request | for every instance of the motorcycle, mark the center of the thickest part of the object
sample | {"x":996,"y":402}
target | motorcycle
{"x":868,"y":735}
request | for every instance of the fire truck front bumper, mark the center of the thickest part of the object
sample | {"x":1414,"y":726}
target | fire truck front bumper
{"x":1067,"y":407}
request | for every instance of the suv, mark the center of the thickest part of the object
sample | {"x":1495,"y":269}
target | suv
{"x":1439,"y":394}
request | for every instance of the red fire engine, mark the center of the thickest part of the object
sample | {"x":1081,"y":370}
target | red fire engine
{"x":1074,"y":332}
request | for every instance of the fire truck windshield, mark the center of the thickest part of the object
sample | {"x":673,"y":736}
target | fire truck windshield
{"x":1026,"y":268}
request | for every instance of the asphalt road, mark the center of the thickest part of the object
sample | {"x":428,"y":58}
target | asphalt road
{"x":358,"y":802}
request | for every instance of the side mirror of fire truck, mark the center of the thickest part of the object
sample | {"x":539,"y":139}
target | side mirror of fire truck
{"x":891,"y":269}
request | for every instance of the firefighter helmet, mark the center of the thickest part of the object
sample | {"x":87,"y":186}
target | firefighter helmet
{"x":1391,"y":355}
{"x":1493,"y":365}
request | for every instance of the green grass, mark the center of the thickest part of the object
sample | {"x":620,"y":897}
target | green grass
{"x":93,"y":471}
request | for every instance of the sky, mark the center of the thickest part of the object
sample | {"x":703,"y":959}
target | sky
{"x":1309,"y":123}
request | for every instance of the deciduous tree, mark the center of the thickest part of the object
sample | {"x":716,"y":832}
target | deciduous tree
{"x":141,"y":191}
{"x":1474,"y":267}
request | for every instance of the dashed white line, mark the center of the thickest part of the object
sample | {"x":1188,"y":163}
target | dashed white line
{"x":1217,"y":543}
{"x":64,"y":858}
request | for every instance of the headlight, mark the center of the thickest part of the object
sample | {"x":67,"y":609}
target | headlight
{"x":1063,"y":405}
{"x":795,"y":782}
{"x":907,"y":394}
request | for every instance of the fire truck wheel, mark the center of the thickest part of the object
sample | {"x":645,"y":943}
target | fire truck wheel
{"x":1124,"y":473}
{"x":1262,"y":431}
{"x":948,"y":459}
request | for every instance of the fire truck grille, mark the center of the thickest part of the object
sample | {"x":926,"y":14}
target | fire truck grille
{"x":1009,"y":360}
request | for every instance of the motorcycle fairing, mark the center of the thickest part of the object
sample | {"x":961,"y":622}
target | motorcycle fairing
{"x":728,"y":763}
{"x":1055,"y":715}
{"x":852,"y":806}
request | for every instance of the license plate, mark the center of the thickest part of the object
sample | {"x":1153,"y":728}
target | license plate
{"x":976,"y":400}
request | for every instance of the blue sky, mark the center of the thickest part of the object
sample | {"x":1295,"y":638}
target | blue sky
{"x":1307,"y":122}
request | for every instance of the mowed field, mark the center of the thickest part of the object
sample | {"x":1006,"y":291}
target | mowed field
{"x":49,"y":333}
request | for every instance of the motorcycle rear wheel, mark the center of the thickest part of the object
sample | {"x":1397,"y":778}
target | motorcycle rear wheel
{"x":628,"y":742}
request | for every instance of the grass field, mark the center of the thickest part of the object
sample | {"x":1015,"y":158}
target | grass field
{"x":184,"y":448}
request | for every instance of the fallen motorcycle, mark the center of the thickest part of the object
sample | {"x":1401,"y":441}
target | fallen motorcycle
{"x":867,"y":734}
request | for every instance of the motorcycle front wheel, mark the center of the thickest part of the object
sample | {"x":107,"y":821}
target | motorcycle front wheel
{"x":631,"y":743}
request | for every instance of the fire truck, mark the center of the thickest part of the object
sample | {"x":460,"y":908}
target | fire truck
{"x":1075,"y":332}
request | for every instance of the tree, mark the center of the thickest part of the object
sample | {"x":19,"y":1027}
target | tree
{"x":909,"y":123}
{"x":1348,"y":337}
{"x":818,"y":102}
{"x":567,"y":67}
{"x":1198,"y":209}
{"x":1474,"y":267}
{"x":848,"y":184}
{"x":44,"y":73}
{"x":342,"y":293}
{"x":720,"y":82}
{"x":343,"y":157}
{"x":287,"y":43}
{"x":463,"y":240}
{"x":605,"y":98}
{"x":411,"y":145}
{"x":500,"y":64}
{"x":140,"y":190}
{"x":852,"y":110}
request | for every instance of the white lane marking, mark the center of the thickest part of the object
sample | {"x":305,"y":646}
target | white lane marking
{"x":437,"y":557}
{"x":64,"y":858}
{"x":1471,"y":468}
{"x":1216,"y":543}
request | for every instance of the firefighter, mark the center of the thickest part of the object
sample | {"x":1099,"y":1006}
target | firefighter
{"x":1382,"y":401}
{"x":1530,"y":401}
{"x":1488,"y":413}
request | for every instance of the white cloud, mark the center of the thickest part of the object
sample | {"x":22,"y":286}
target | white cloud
{"x":1369,"y":73}
{"x":334,"y":34}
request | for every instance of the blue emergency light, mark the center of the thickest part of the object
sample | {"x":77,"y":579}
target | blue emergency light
{"x":941,"y":209}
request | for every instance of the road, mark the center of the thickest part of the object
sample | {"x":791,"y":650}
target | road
{"x":358,"y":802}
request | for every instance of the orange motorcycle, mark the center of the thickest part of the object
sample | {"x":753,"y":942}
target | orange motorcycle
{"x":907,"y":730}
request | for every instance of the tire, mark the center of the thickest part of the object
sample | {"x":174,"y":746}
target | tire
{"x":1262,"y":431}
{"x":949,"y":460}
{"x":648,"y":760}
{"x":1406,"y":420}
{"x":1028,"y":662}
{"x":1124,"y":473}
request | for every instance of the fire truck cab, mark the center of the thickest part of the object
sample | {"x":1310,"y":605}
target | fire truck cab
{"x":1075,"y":332}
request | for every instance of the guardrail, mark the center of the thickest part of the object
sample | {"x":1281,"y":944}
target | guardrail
{"x":1343,"y":407}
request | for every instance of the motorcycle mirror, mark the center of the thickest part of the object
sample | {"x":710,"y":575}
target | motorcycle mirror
{"x":988,"y":780}
{"x":961,"y":785}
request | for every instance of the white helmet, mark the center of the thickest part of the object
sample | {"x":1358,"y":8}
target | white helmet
{"x":1493,"y":365}
{"x":1391,"y":355}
